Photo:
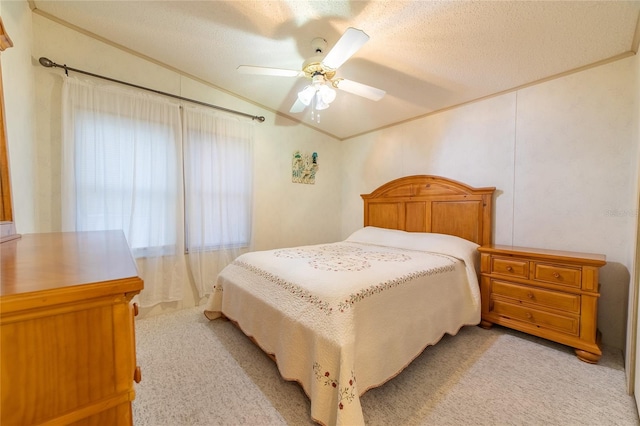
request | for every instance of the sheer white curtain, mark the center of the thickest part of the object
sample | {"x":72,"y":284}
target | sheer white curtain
{"x":218,"y":182}
{"x":122,"y":169}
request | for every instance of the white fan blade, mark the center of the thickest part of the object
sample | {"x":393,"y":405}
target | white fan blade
{"x":297,"y":106}
{"x":350,"y":42}
{"x":249,"y":69}
{"x":359,"y":89}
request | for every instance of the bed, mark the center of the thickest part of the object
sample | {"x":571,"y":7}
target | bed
{"x":345,"y":317}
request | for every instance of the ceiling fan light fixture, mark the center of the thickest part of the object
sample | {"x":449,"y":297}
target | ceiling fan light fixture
{"x":320,"y":105}
{"x":306,"y":95}
{"x":326,"y":94}
{"x":323,"y":94}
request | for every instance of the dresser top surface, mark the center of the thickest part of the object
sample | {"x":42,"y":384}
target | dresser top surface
{"x":557,"y":255}
{"x":48,"y":261}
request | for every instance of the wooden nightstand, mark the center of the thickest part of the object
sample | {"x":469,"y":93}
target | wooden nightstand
{"x":546,"y":293}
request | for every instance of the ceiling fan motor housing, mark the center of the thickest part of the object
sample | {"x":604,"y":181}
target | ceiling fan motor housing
{"x":313,"y":66}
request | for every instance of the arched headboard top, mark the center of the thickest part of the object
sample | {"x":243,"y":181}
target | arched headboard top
{"x":427,"y":203}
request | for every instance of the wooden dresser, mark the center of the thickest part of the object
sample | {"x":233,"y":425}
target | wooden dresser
{"x":546,"y":293}
{"x":67,"y":331}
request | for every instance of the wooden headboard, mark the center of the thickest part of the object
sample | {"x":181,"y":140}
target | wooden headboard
{"x":424,"y":203}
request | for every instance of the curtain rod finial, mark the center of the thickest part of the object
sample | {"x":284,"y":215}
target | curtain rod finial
{"x":46,"y":62}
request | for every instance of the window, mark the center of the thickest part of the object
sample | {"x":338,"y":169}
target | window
{"x":134,"y":162}
{"x":127,"y":178}
{"x":218,"y":181}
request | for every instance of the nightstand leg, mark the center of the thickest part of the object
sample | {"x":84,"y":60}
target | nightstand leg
{"x":588,"y":357}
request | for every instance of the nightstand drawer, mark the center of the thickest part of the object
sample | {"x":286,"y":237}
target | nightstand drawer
{"x":557,"y":274}
{"x":510,"y":267}
{"x":569,"y":324}
{"x":526,"y":294}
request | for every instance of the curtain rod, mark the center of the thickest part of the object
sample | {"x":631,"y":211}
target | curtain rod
{"x":45,"y":62}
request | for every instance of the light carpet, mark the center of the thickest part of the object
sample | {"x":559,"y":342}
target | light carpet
{"x":201,"y":372}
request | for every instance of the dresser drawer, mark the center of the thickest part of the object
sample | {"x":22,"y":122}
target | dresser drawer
{"x":569,"y":324}
{"x":525,"y":294}
{"x":557,"y":274}
{"x":509,"y":267}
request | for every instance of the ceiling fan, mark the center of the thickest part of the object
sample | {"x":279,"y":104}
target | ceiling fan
{"x":321,"y":70}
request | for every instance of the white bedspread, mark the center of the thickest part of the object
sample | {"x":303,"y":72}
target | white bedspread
{"x":342,"y":318}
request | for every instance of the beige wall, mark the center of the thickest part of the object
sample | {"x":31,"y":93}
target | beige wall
{"x":562,"y":155}
{"x":19,"y":96}
{"x":632,"y":361}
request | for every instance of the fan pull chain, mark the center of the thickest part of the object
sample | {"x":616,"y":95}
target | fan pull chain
{"x":315,"y":116}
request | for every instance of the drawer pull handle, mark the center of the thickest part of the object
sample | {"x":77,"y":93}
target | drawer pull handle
{"x":137,"y":375}
{"x":529,"y":315}
{"x":509,"y":268}
{"x":135,"y":310}
{"x":530,"y":295}
{"x":556,"y":275}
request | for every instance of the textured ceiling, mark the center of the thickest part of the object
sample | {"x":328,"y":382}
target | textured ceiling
{"x":427,"y":55}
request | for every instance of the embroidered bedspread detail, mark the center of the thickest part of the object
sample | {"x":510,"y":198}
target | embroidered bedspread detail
{"x":345,"y":257}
